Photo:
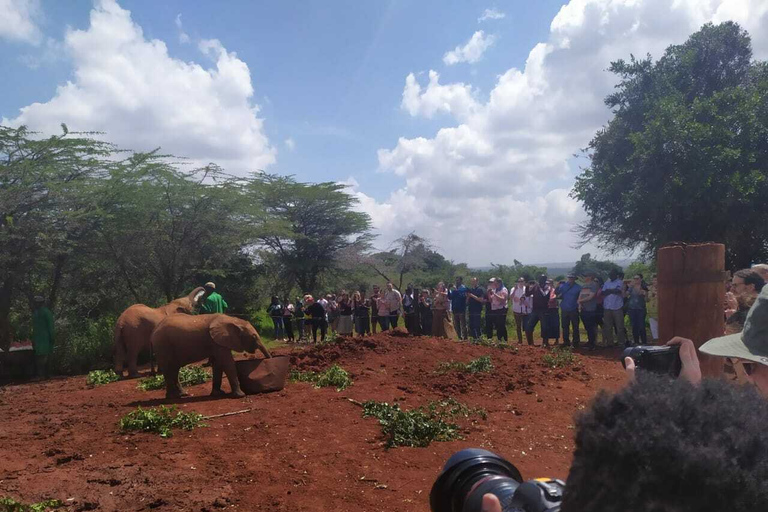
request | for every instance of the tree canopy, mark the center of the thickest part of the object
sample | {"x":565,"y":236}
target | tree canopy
{"x":685,"y":157}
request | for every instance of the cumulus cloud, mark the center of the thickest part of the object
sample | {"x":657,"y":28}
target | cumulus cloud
{"x":290,"y":143}
{"x":18,"y":21}
{"x":131,"y":88}
{"x":494,"y":184}
{"x":456,"y":99}
{"x":472,"y":51}
{"x":491,"y":14}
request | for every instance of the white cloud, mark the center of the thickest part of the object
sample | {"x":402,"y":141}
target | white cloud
{"x":491,"y":14}
{"x":290,"y":143}
{"x":494,"y":185}
{"x":454,"y":99}
{"x":472,"y":51}
{"x":132,"y":89}
{"x":18,"y":21}
{"x":183,"y":36}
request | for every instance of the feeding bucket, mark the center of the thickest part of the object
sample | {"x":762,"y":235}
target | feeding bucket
{"x":263,"y":375}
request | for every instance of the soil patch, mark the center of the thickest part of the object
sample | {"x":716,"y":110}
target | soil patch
{"x":300,"y":449}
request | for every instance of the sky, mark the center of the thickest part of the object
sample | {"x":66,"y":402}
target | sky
{"x":462,"y":121}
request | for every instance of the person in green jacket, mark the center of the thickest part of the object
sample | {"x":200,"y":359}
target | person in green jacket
{"x":43,"y":335}
{"x":212,"y":302}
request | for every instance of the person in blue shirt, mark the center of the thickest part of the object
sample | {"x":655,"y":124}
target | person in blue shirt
{"x":475,"y":301}
{"x":568,"y":293}
{"x":458,"y":296}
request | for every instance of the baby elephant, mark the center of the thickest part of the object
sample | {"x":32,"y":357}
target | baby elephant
{"x":183,"y":339}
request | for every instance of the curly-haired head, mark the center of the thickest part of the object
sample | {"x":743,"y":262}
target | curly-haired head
{"x":663,"y":446}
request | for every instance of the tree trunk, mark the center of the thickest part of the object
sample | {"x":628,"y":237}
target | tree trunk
{"x":5,"y":311}
{"x":58,"y":272}
{"x":691,"y":296}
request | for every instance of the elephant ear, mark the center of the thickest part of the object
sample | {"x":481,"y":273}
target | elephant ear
{"x":226,"y":333}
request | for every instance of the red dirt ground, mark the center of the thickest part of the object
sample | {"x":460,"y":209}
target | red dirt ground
{"x":300,"y":449}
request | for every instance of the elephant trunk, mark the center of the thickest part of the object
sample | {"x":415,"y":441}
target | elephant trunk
{"x":195,"y":295}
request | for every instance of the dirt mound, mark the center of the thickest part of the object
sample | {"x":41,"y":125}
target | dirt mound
{"x":301,"y":448}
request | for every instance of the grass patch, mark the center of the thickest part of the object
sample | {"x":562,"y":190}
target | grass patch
{"x":335,"y":376}
{"x":420,"y":427}
{"x":188,"y":376}
{"x":480,"y":365}
{"x":560,"y":357}
{"x":101,"y":377}
{"x":11,"y":505}
{"x":491,"y":343}
{"x":160,"y":420}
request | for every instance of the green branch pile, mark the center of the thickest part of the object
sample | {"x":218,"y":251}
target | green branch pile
{"x":101,"y":377}
{"x":160,"y":420}
{"x":560,"y":357}
{"x":480,"y":365}
{"x":334,"y":376}
{"x":188,"y":376}
{"x":419,"y":427}
{"x":11,"y":505}
{"x":491,"y":343}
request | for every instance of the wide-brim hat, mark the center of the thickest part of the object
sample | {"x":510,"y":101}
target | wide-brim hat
{"x":750,"y":344}
{"x":210,"y":285}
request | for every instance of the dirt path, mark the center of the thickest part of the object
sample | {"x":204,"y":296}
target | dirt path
{"x":298,"y":449}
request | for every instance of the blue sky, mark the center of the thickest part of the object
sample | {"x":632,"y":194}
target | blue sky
{"x":473,"y":151}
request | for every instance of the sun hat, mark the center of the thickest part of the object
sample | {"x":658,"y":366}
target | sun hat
{"x":751,"y":343}
{"x":210,"y":285}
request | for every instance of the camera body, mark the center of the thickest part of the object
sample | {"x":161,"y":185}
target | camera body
{"x":664,"y":360}
{"x":470,"y":474}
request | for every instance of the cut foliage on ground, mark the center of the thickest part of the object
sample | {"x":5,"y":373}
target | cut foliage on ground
{"x":160,"y":420}
{"x":480,"y":365}
{"x":188,"y":376}
{"x":421,"y":426}
{"x":101,"y":377}
{"x":335,"y":376}
{"x":11,"y":505}
{"x":560,"y":357}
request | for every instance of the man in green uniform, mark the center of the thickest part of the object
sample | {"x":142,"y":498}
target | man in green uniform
{"x":213,"y":302}
{"x":42,"y":336}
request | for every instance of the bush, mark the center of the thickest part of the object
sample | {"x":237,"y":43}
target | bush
{"x":160,"y":420}
{"x":491,"y":343}
{"x":334,"y":376}
{"x":101,"y":377}
{"x":560,"y":357}
{"x":419,"y":427}
{"x":11,"y":505}
{"x":188,"y":376}
{"x":83,"y":347}
{"x":480,"y":365}
{"x":263,"y":324}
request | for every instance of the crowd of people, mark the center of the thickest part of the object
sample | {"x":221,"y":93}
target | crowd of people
{"x":564,"y":311}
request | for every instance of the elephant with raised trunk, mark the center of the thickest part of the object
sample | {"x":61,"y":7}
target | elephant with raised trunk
{"x":134,"y":328}
{"x":180,"y":340}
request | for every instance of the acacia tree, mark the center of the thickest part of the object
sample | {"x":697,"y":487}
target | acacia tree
{"x":306,"y":226}
{"x":42,"y":216}
{"x":685,"y":157}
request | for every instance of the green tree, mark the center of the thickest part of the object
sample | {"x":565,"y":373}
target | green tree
{"x":43,"y":218}
{"x":599,"y":267}
{"x":685,"y":157}
{"x":306,"y":226}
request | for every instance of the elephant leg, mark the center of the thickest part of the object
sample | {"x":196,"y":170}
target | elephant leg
{"x":234,"y":382}
{"x":119,"y":358}
{"x":172,"y":387}
{"x":133,"y":358}
{"x":217,"y":373}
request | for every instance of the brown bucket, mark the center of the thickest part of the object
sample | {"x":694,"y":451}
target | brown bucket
{"x":263,"y":375}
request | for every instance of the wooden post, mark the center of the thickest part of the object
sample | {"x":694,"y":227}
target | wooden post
{"x":691,"y":289}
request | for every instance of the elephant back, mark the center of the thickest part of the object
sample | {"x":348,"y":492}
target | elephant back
{"x":182,"y":339}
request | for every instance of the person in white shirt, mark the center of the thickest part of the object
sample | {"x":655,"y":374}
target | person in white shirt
{"x":520,"y":307}
{"x":394,"y":301}
{"x":499,"y":296}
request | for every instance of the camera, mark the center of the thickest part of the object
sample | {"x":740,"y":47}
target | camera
{"x":470,"y":474}
{"x":657,"y":359}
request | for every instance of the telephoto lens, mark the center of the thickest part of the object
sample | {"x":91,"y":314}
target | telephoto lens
{"x":470,"y":474}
